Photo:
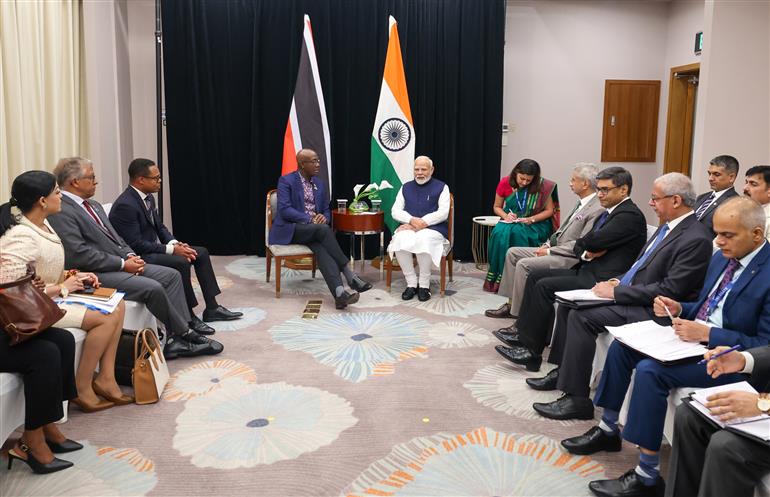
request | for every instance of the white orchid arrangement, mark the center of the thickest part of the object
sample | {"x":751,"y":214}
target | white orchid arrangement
{"x":372,"y":191}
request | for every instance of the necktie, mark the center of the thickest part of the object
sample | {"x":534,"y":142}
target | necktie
{"x":717,"y":295}
{"x":705,"y":205}
{"x":629,"y":276}
{"x":600,"y":222}
{"x":98,"y":221}
{"x":552,"y":241}
{"x":149,"y":203}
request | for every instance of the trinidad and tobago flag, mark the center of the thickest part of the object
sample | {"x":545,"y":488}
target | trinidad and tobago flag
{"x":307,"y":126}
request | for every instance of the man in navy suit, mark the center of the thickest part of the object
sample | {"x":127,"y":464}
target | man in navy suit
{"x":303,"y":217}
{"x":136,"y":219}
{"x":732,"y":308}
{"x":722,"y":171}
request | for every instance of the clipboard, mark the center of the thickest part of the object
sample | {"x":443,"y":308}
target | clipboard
{"x":731,"y":428}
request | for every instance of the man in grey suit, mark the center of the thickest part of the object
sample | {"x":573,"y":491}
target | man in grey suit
{"x":92,"y":244}
{"x":702,"y":453}
{"x":723,"y":171}
{"x":557,"y":252}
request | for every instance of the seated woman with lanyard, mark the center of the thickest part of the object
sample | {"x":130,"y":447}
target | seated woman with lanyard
{"x":528,"y":206}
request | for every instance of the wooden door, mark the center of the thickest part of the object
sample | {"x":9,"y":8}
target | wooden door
{"x":630,"y":120}
{"x":682,"y":93}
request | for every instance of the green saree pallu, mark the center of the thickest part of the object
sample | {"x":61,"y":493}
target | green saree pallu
{"x":506,"y":235}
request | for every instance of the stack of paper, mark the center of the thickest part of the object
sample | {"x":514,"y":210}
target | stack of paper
{"x":105,"y":307}
{"x":582,"y":295}
{"x":756,"y":426}
{"x":656,"y":341}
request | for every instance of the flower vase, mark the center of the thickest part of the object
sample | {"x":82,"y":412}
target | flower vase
{"x":358,"y":207}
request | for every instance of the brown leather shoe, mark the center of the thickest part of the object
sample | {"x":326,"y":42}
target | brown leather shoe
{"x":100,"y":406}
{"x":123,"y":400}
{"x":504,"y":311}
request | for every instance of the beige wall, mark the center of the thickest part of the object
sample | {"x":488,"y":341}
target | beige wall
{"x":733,"y":114}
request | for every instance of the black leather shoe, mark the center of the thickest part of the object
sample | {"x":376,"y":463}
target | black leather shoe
{"x":180,"y":347}
{"x":510,"y":339}
{"x":592,"y":441}
{"x":566,"y":407}
{"x":345,"y":299}
{"x":409,"y":293}
{"x":200,"y":327}
{"x":36,"y":466}
{"x":66,"y":446}
{"x":220,"y":314}
{"x":510,"y":330}
{"x":504,"y":311}
{"x":546,"y":383}
{"x":213,"y":347}
{"x":360,"y":285}
{"x":628,"y":485}
{"x":521,"y":355}
{"x":423,"y":294}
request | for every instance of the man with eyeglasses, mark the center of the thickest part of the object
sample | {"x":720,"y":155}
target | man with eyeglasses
{"x":673,"y":265}
{"x":91,"y":243}
{"x":136,"y":219}
{"x":303,"y":217}
{"x":607,"y":250}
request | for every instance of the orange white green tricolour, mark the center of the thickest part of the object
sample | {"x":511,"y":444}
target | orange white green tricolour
{"x":392,"y":146}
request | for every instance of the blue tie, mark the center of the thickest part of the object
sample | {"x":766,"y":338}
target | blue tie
{"x":600,"y":222}
{"x":626,"y":280}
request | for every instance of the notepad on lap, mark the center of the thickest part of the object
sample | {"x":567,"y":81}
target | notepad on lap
{"x":656,"y":341}
{"x":581,"y":295}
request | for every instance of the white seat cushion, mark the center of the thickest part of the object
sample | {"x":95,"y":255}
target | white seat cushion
{"x":293,"y":249}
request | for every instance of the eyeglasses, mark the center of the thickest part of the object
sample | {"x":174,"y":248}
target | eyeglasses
{"x":655,"y":199}
{"x":153,"y":178}
{"x":91,"y":177}
{"x":312,"y":161}
{"x":604,"y":190}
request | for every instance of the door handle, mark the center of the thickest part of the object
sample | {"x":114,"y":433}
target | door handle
{"x":612,"y":120}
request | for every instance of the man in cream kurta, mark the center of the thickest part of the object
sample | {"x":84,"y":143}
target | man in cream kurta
{"x":758,"y":188}
{"x":422,"y":206}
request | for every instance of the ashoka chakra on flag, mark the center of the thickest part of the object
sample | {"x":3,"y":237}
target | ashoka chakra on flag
{"x":394,"y":134}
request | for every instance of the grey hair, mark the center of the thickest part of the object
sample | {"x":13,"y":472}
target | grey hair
{"x":678,"y":184}
{"x":587,"y":171}
{"x":424,"y":158}
{"x":750,"y":212}
{"x":70,"y":168}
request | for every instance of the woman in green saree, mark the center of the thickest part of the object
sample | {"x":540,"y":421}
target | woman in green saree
{"x":528,"y":206}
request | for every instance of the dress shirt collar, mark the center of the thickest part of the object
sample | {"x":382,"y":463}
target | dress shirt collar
{"x":746,"y":259}
{"x":609,"y":211}
{"x":79,"y":200}
{"x":142,"y":195}
{"x":584,"y":201}
{"x":674,"y":222}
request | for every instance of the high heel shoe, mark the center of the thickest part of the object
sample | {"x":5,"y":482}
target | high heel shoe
{"x":36,"y":466}
{"x":66,"y":446}
{"x":123,"y":400}
{"x":85,"y":407}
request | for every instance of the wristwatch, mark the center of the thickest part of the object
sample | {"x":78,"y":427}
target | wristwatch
{"x":763,"y":403}
{"x":63,"y":292}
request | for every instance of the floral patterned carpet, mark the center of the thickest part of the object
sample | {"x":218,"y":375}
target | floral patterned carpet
{"x":387,"y":398}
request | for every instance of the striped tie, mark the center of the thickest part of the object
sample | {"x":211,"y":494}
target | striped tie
{"x":705,"y":205}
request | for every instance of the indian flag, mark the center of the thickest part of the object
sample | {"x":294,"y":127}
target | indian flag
{"x":393,"y":132}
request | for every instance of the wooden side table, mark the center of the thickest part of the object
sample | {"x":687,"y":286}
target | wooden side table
{"x":362,"y":224}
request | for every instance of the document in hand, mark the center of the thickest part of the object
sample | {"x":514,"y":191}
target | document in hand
{"x":580,"y":295}
{"x":105,"y":307}
{"x":757,"y":427}
{"x":656,"y":341}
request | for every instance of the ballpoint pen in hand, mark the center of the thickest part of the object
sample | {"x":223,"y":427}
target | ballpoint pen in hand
{"x":720,"y":354}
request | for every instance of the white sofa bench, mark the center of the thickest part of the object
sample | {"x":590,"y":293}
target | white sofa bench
{"x":12,"y":386}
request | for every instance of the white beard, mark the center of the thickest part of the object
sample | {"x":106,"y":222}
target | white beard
{"x":422,"y":181}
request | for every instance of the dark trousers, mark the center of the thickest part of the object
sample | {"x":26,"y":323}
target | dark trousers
{"x":577,"y":341}
{"x":47,"y":363}
{"x":536,"y":315}
{"x":203,"y":271}
{"x":320,"y":239}
{"x":652,"y":384}
{"x":707,"y":461}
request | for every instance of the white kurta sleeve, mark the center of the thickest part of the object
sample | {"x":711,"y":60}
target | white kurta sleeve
{"x":397,"y":211}
{"x":442,"y":213}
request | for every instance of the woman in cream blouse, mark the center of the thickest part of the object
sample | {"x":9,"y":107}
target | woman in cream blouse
{"x":28,"y":240}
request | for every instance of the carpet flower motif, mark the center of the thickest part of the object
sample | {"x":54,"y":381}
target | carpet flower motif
{"x":464,"y":298}
{"x":293,"y":281}
{"x":205,"y":377}
{"x":98,"y":471}
{"x":357,"y":345}
{"x":502,"y":387}
{"x":251,"y":316}
{"x":245,"y":425}
{"x":480,"y":462}
{"x":456,"y":334}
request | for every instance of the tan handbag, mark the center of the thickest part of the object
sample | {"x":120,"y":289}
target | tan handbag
{"x":150,"y":373}
{"x":25,"y":310}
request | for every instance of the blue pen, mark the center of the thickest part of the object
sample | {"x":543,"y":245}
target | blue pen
{"x":720,"y":354}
